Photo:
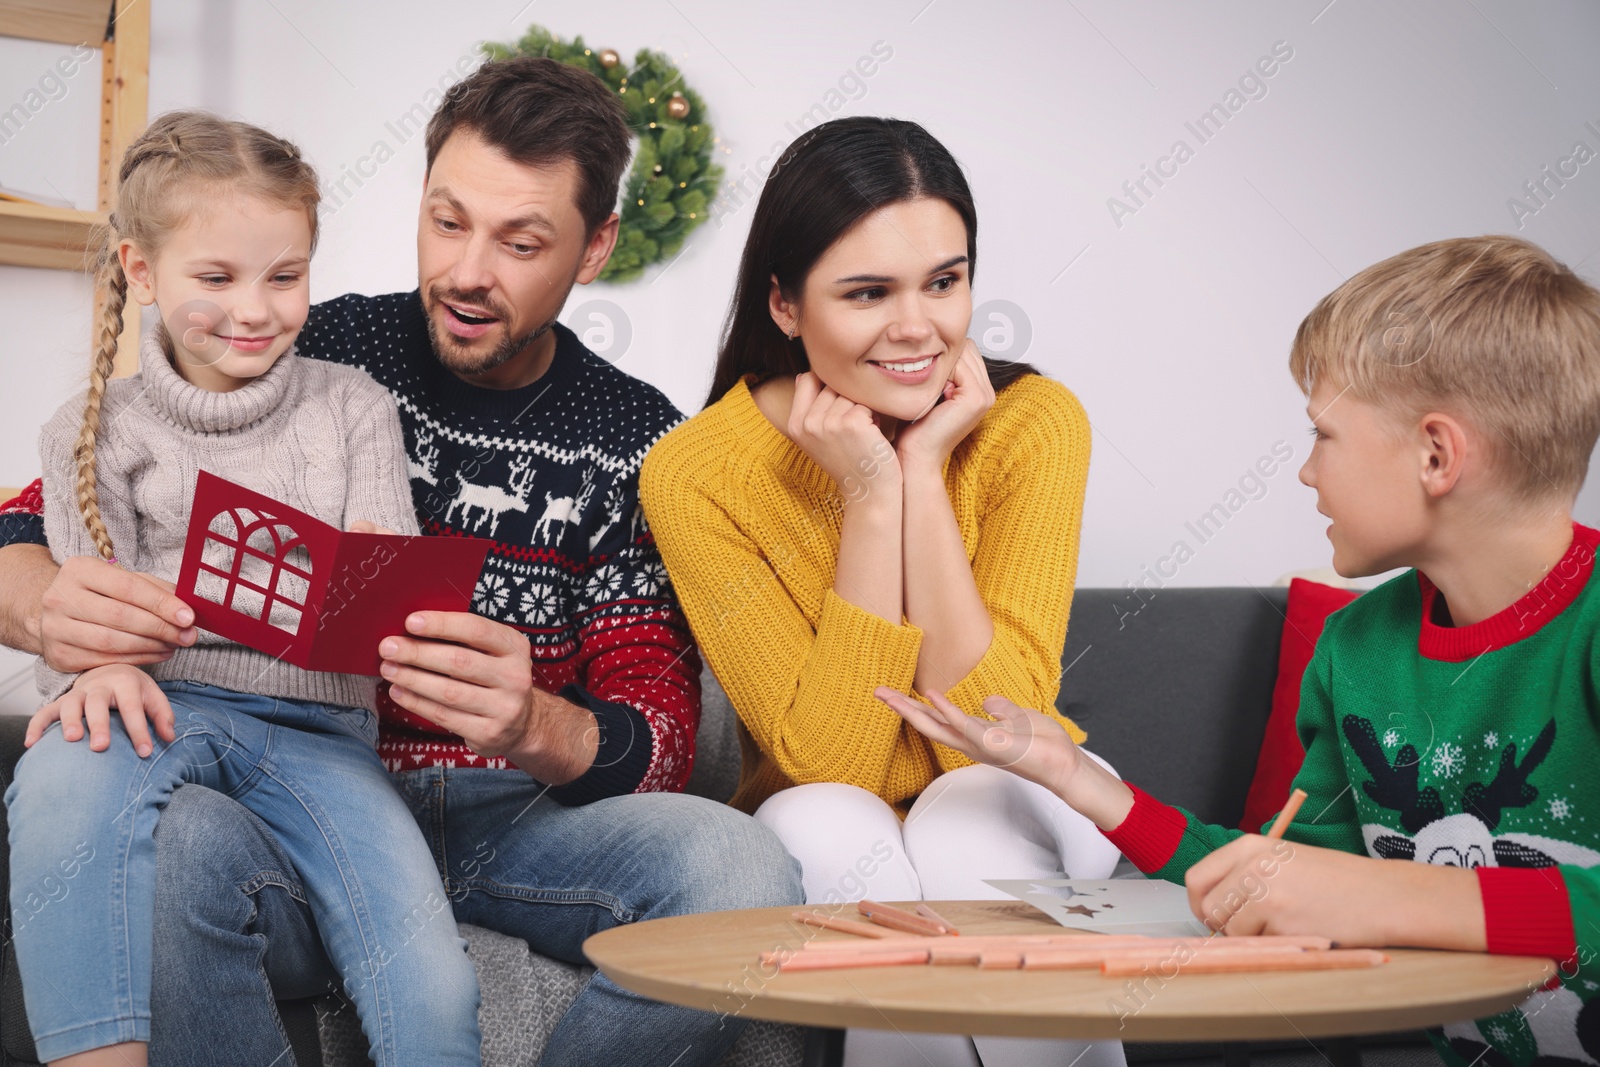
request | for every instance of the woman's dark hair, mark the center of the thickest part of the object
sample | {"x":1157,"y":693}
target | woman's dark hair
{"x":824,"y":183}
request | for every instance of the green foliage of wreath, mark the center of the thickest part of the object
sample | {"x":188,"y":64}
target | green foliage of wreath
{"x":674,"y":180}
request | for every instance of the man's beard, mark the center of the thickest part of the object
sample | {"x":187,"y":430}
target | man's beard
{"x":453,"y":353}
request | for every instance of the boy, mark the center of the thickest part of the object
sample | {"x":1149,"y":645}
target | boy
{"x":1450,"y":716}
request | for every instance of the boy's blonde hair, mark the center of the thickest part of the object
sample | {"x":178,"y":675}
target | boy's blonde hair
{"x":181,"y":158}
{"x":1490,"y":328}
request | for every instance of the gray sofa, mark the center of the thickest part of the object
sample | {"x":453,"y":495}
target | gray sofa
{"x":1174,"y":690}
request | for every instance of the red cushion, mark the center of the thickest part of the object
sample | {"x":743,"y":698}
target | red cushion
{"x":1310,"y":604}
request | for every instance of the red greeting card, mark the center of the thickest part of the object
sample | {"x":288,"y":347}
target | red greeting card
{"x":277,"y":580}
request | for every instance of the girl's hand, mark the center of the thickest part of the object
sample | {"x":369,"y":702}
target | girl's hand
{"x":365,"y":526}
{"x":840,"y":435}
{"x":968,"y":396}
{"x":131,"y":691}
{"x":1020,"y":740}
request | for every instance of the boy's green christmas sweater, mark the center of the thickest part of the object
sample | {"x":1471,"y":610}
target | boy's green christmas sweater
{"x":1474,"y":746}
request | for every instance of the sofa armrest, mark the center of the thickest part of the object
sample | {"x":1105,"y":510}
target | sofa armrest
{"x":12,"y":730}
{"x":16,"y":1042}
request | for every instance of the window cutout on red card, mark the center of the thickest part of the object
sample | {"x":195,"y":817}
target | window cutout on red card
{"x":277,"y":580}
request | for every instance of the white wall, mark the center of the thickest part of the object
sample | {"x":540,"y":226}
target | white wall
{"x":1390,"y":126}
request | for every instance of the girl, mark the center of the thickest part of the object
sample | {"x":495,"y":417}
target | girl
{"x":215,"y":224}
{"x":866,"y":498}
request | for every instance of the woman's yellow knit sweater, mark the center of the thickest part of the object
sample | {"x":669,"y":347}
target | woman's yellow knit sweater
{"x":748,"y":526}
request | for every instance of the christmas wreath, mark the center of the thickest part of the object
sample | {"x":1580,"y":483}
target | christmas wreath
{"x":673,"y":178}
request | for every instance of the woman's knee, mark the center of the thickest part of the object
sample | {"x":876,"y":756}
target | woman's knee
{"x":846,"y":840}
{"x":1005,"y":827}
{"x":796,"y":811}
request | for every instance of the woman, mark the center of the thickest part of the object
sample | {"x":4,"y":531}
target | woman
{"x":868,"y":501}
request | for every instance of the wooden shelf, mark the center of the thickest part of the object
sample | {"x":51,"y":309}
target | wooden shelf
{"x":52,"y":237}
{"x":58,"y":238}
{"x":66,"y":21}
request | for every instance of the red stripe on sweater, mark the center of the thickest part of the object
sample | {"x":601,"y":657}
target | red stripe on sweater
{"x":1538,"y":606}
{"x":646,"y":661}
{"x":1150,"y":834}
{"x":28,"y":502}
{"x":1527,"y":912}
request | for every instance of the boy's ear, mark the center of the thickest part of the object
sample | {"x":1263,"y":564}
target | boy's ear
{"x":1445,"y":453}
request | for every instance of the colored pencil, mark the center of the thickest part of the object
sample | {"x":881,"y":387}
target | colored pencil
{"x":898,"y":919}
{"x":933,"y":916}
{"x":1235,"y":963}
{"x":847,"y":926}
{"x":1286,"y":816}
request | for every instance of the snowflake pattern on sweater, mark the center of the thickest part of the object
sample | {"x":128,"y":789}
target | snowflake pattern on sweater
{"x":549,"y":473}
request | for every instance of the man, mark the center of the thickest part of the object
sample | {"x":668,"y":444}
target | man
{"x":540,"y":741}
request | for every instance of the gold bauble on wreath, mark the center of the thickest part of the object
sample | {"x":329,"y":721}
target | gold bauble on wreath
{"x":674,"y":177}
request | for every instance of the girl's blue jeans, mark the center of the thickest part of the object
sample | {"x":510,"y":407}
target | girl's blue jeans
{"x":83,"y":871}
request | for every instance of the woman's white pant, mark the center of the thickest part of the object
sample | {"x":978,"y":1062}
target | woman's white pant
{"x":970,"y":824}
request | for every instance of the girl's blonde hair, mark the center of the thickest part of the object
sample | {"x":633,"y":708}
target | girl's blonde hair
{"x":183,"y":158}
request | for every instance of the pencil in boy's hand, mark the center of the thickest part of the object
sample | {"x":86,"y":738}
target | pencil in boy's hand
{"x":1286,"y":816}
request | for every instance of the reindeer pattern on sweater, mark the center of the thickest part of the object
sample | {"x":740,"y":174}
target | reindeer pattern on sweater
{"x":1477,"y":747}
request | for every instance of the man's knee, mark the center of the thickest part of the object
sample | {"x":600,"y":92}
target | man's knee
{"x":721,"y":859}
{"x":208,"y":848}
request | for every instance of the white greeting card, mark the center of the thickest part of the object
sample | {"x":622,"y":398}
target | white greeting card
{"x":1112,"y":906}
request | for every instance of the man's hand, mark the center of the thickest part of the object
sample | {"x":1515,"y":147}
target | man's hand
{"x":134,"y":695}
{"x":474,"y":677}
{"x":94,"y":613}
{"x":1263,"y":885}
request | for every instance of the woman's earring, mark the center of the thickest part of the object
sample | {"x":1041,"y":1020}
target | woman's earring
{"x":792,"y":331}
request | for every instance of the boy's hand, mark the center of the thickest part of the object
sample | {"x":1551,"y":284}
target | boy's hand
{"x":1020,"y":740}
{"x":363,"y":526}
{"x":1024,"y":742}
{"x":1263,"y":885}
{"x":131,"y":691}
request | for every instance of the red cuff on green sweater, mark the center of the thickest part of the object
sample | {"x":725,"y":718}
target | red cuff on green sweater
{"x":1526,"y":912}
{"x":1150,"y":834}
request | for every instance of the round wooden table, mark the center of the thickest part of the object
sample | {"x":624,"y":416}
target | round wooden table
{"x":712,"y":962}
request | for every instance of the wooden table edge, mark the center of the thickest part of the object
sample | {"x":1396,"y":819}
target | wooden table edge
{"x":841,"y":1014}
{"x":833,"y":1010}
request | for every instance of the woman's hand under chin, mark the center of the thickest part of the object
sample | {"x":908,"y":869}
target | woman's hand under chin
{"x":968,"y":396}
{"x":841,"y":436}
